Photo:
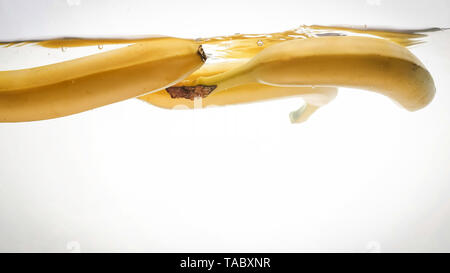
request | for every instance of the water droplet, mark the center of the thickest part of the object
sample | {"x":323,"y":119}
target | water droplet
{"x":100,"y":46}
{"x":260,"y":43}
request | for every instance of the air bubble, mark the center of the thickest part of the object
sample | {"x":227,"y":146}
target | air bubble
{"x":100,"y":46}
{"x":260,"y":43}
{"x":63,"y":49}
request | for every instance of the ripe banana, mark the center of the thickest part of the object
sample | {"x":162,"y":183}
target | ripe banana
{"x":357,"y":62}
{"x":81,"y":84}
{"x":246,"y":93}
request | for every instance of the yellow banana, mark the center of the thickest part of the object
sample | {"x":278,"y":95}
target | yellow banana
{"x":280,"y":70}
{"x":246,"y":93}
{"x":356,"y":62}
{"x":81,"y":84}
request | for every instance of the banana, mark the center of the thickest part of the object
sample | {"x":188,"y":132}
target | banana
{"x":357,"y":62}
{"x":85,"y":83}
{"x":246,"y":93}
{"x":310,"y":68}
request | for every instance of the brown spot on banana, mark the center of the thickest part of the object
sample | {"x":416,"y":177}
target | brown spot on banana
{"x":190,"y":92}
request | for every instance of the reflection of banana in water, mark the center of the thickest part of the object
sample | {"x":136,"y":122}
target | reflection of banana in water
{"x":81,"y":84}
{"x":292,"y":67}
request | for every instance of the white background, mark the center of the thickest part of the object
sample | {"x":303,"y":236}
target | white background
{"x":361,"y":175}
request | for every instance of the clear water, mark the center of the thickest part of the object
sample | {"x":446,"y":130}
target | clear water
{"x":361,"y":175}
